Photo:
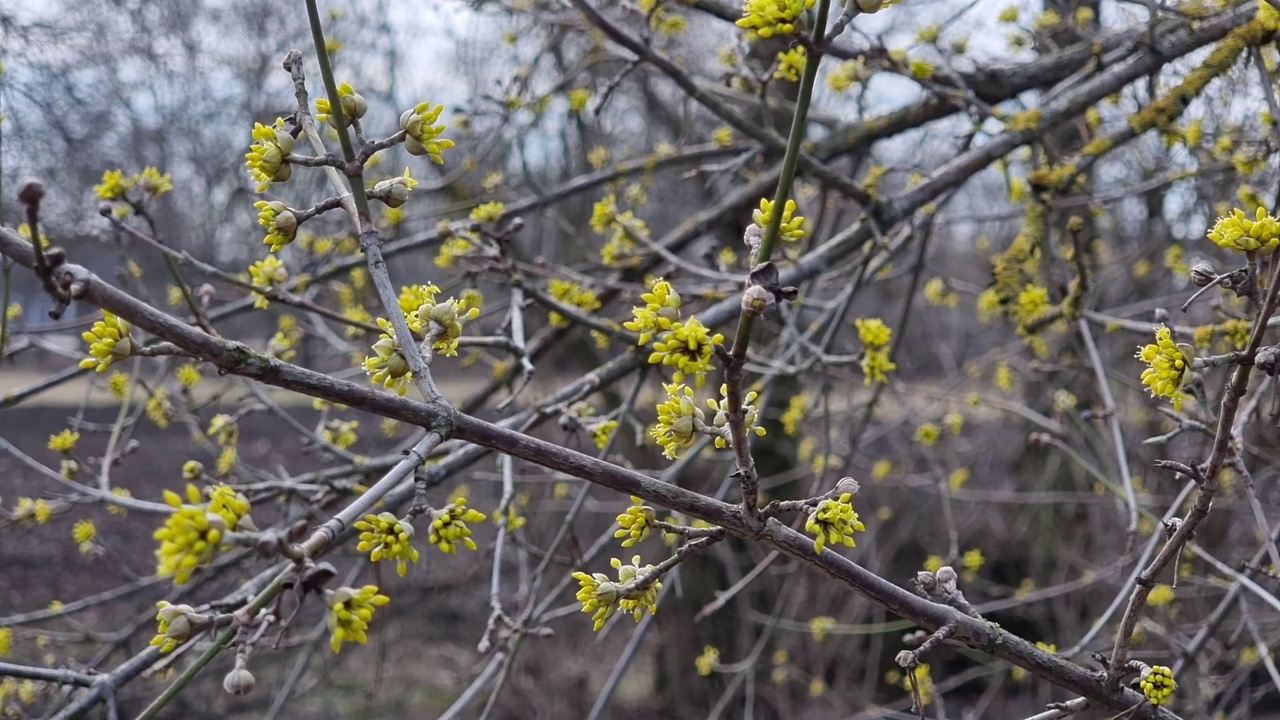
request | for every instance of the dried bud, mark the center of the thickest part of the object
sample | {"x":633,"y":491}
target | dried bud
{"x":906,"y":659}
{"x":318,"y":576}
{"x":239,"y":681}
{"x":946,"y":577}
{"x":756,"y":300}
{"x":1203,"y":273}
{"x":515,"y":226}
{"x":1160,"y":316}
{"x":268,"y":545}
{"x":55,"y":257}
{"x":1267,"y":359}
{"x":752,"y":238}
{"x":105,"y":209}
{"x":31,"y":192}
{"x":847,"y":485}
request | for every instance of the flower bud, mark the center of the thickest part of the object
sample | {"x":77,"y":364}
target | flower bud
{"x":31,"y":192}
{"x":947,"y":577}
{"x":869,"y":7}
{"x":1203,"y":273}
{"x":239,"y":681}
{"x":756,"y":300}
{"x":847,"y":485}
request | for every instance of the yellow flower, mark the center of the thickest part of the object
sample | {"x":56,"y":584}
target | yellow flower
{"x":153,"y":182}
{"x":751,"y":416}
{"x":1160,"y":595}
{"x":820,"y":626}
{"x":113,"y":186}
{"x":6,"y":641}
{"x":722,"y":136}
{"x":687,"y":347}
{"x":193,"y":533}
{"x":280,"y":222}
{"x":833,"y":520}
{"x":490,"y":212}
{"x":635,"y":523}
{"x":766,"y":18}
{"x":188,"y":375}
{"x":570,"y":293}
{"x":679,"y":419}
{"x":708,"y":661}
{"x":1237,"y":232}
{"x":660,"y":312}
{"x":602,"y":432}
{"x":972,"y":560}
{"x":109,"y":342}
{"x":64,"y":442}
{"x":387,"y":366}
{"x":1158,"y":684}
{"x":791,"y":418}
{"x":444,"y":320}
{"x":578,"y":98}
{"x":450,"y":526}
{"x":938,"y":294}
{"x":175,"y":624}
{"x":1167,"y":367}
{"x":84,"y":532}
{"x":792,"y":227}
{"x":386,"y":537}
{"x":352,"y":103}
{"x":340,"y":432}
{"x":598,"y":157}
{"x":597,"y":594}
{"x":845,"y":75}
{"x":791,"y":64}
{"x":873,"y":332}
{"x":422,"y":134}
{"x":158,"y":407}
{"x":350,"y":611}
{"x":927,"y":434}
{"x":266,"y":155}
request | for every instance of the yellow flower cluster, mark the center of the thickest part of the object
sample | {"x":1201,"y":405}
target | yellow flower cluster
{"x":792,"y":227}
{"x":266,"y":156}
{"x":450,"y":526}
{"x":109,"y":342}
{"x":679,"y":420}
{"x":115,"y":183}
{"x":660,"y":311}
{"x":687,"y":347}
{"x":175,"y":624}
{"x":280,"y":222}
{"x":875,"y":336}
{"x":835,"y":521}
{"x":1239,"y":233}
{"x":64,"y":442}
{"x":387,"y":366}
{"x":352,"y":103}
{"x":422,"y":135}
{"x":350,"y":611}
{"x":340,"y":432}
{"x":636,"y":523}
{"x":791,"y":64}
{"x":635,"y":591}
{"x":570,"y":293}
{"x":1167,"y":367}
{"x":751,"y":416}
{"x":766,"y":18}
{"x":267,"y":273}
{"x":1158,"y":684}
{"x":386,"y":537}
{"x":193,"y":533}
{"x":620,"y":227}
